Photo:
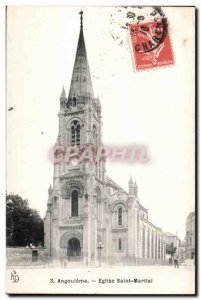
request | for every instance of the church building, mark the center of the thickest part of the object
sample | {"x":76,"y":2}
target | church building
{"x":90,"y":219}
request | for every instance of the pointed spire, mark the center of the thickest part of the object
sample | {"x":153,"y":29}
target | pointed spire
{"x":81,"y":85}
{"x":135,"y":189}
{"x":131,"y":186}
{"x":63,"y":94}
{"x":98,"y":102}
{"x":50,"y":190}
{"x":130,"y":180}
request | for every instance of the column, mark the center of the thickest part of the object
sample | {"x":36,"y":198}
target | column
{"x":85,"y":230}
{"x":135,"y":238}
{"x":164,"y":249}
{"x":159,"y":246}
{"x":141,"y":240}
{"x":162,"y":245}
{"x":145,"y":242}
{"x":109,"y":236}
{"x":130,"y":228}
{"x":89,"y":230}
{"x":95,"y":216}
{"x":156,"y":246}
{"x":153,"y":245}
{"x":138,"y":234}
{"x":151,"y":249}
{"x":148,"y":243}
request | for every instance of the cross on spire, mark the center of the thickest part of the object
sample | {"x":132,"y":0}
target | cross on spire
{"x":81,"y":19}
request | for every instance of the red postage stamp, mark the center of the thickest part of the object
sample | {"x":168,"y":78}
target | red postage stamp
{"x":151,"y":44}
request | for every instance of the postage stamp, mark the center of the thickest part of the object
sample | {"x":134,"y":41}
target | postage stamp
{"x":151,"y":44}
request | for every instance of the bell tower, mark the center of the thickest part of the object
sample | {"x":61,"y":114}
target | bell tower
{"x":80,"y":112}
{"x":74,"y":217}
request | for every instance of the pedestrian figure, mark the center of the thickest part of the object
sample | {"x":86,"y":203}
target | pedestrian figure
{"x":176,"y":262}
{"x":170,"y":261}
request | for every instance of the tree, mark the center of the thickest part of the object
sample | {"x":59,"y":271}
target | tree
{"x":23,"y":224}
{"x":170,"y":249}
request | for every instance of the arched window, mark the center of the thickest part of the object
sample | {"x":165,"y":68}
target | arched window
{"x":98,"y":195}
{"x":55,"y":201}
{"x":74,"y":203}
{"x":120,"y":244}
{"x":75,"y":133}
{"x":94,"y":134}
{"x":120,"y":216}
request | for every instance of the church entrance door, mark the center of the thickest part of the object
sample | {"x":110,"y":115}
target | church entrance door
{"x":74,"y":249}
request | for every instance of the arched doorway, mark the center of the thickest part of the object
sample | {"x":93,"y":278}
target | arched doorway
{"x":74,"y":249}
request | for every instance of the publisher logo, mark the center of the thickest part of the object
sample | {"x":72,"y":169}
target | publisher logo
{"x":14,"y":277}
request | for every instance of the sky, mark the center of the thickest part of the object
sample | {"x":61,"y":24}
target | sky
{"x":154,"y":108}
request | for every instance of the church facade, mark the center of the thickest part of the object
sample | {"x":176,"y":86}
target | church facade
{"x":90,"y":218}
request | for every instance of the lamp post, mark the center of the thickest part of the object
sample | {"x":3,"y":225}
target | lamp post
{"x":99,"y":247}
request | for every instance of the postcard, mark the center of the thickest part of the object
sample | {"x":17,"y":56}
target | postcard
{"x":100,"y":150}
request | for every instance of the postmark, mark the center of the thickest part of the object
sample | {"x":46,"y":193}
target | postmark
{"x":147,"y":30}
{"x":151,"y":44}
{"x":124,"y":16}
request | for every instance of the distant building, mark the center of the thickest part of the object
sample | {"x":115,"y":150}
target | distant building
{"x":171,"y":238}
{"x":182,"y":251}
{"x":190,"y":236}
